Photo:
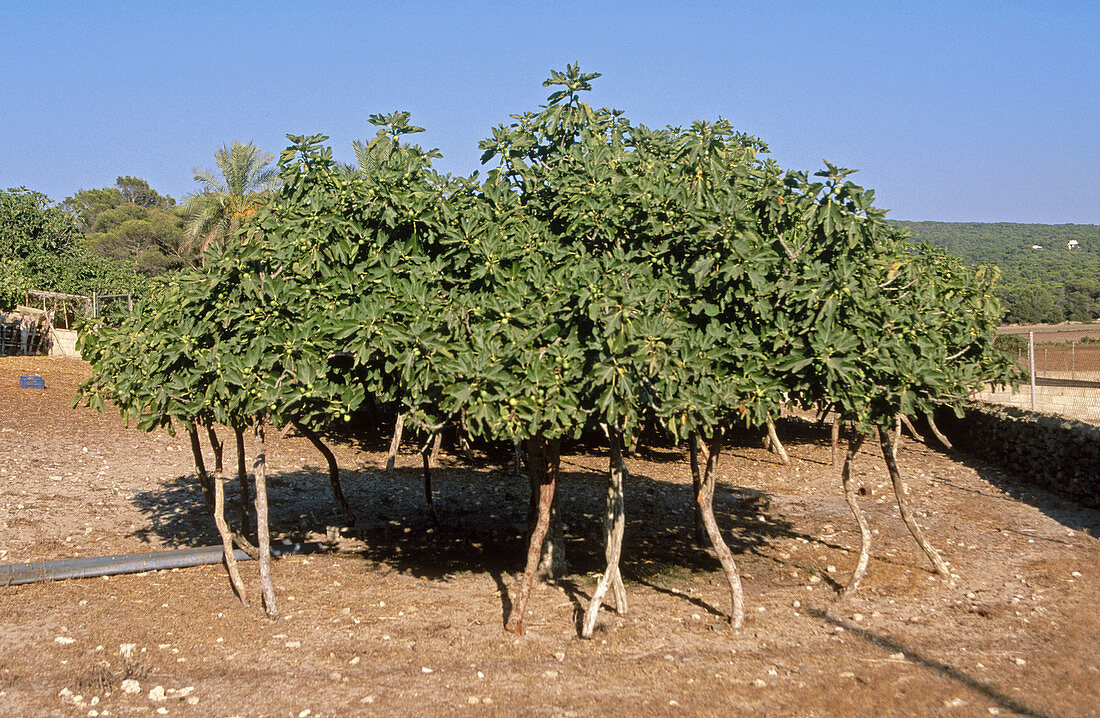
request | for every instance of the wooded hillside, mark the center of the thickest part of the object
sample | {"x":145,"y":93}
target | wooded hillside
{"x":1053,"y":284}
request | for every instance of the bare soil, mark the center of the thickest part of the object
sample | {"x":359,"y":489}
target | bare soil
{"x":1064,"y":332}
{"x":400,"y":618}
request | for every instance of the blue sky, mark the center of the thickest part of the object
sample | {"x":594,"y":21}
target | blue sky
{"x":953,"y":111}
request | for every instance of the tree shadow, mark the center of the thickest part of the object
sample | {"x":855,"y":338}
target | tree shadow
{"x":946,"y":670}
{"x":483,"y":520}
{"x":677,"y":593}
{"x":1017,"y":482}
{"x":301,"y":503}
{"x":996,"y":469}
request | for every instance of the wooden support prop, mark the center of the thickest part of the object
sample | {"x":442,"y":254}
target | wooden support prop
{"x":395,"y":442}
{"x":835,"y":438}
{"x":890,"y":455}
{"x":228,"y":535}
{"x":613,"y":526}
{"x":936,"y":431}
{"x":242,"y":478}
{"x":543,"y":457}
{"x":706,"y":505}
{"x":227,"y":539}
{"x":853,"y":504}
{"x":263,"y":532}
{"x":346,"y":514}
{"x":775,"y":445}
{"x":905,"y":422}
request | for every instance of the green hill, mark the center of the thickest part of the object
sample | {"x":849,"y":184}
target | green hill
{"x":1048,"y":285}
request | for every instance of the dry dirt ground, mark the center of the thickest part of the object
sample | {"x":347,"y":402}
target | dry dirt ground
{"x":403,"y":619}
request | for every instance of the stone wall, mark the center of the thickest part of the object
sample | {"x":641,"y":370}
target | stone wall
{"x":1055,"y":453}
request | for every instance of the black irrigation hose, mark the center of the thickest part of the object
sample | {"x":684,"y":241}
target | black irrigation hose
{"x":92,"y":566}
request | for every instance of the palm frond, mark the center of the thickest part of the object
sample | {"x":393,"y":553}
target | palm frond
{"x":229,"y":194}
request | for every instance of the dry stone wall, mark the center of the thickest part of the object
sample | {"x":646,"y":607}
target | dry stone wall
{"x":1055,"y":453}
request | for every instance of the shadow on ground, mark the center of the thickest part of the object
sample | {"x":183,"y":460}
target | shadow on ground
{"x":482,"y":513}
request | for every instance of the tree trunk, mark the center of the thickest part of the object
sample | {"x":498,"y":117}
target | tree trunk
{"x":697,"y":487}
{"x":613,"y":527}
{"x":205,"y":483}
{"x":217,"y":446}
{"x":706,"y":507}
{"x":263,"y":534}
{"x":464,"y":437}
{"x":242,"y":478}
{"x":543,"y":457}
{"x":936,"y":431}
{"x":835,"y":436}
{"x":436,"y":442}
{"x":517,"y":458}
{"x":227,"y":538}
{"x":333,"y":473}
{"x":890,"y":455}
{"x":774,"y":445}
{"x":552,"y":563}
{"x":428,"y":487}
{"x":853,"y":504}
{"x":395,"y":442}
{"x":224,"y":531}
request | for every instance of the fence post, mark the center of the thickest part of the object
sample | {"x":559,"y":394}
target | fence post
{"x":1031,"y":365}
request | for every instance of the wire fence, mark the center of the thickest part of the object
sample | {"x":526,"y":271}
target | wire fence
{"x":1063,"y":365}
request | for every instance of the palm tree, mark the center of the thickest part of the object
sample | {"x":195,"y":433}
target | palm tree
{"x":384,"y":150}
{"x":229,"y":195}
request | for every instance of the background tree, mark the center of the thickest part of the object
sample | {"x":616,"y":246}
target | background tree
{"x":32,"y":226}
{"x":229,"y":194}
{"x":41,"y":248}
{"x":131,"y":221}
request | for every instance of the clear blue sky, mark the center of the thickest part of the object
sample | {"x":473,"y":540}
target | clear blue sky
{"x":954,"y":111}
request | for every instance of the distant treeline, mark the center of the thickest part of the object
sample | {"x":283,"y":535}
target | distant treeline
{"x":1043,"y":278}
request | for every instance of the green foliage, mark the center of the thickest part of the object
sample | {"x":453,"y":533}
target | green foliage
{"x":1010,"y":343}
{"x":31,"y":227}
{"x":41,"y":248}
{"x":600,"y":273}
{"x":262,"y":333}
{"x":15,"y":282}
